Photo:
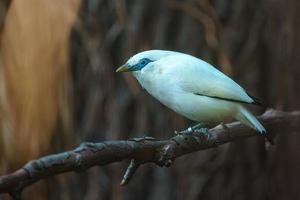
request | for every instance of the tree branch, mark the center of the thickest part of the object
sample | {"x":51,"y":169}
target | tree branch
{"x":140,"y":151}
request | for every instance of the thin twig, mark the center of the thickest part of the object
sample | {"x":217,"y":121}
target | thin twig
{"x":133,"y":166}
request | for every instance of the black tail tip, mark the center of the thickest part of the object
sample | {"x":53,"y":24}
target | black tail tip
{"x":268,"y":137}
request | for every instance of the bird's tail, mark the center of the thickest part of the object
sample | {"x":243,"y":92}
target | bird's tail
{"x":245,"y":117}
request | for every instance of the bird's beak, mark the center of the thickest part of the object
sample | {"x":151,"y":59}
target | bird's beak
{"x":123,"y":68}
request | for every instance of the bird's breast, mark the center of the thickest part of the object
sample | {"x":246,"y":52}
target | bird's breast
{"x":159,"y":86}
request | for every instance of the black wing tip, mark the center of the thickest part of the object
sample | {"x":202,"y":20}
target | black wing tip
{"x":257,"y":101}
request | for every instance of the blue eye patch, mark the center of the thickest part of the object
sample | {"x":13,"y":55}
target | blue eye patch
{"x":142,"y":63}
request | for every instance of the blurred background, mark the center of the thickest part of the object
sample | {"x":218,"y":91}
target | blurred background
{"x":58,"y":88}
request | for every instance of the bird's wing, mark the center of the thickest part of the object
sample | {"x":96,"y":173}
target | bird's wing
{"x":200,"y":78}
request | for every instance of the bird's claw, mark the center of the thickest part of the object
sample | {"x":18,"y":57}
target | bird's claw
{"x":203,"y":131}
{"x":187,"y":131}
{"x":198,"y":131}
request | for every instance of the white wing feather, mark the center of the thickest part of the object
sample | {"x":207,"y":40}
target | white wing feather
{"x":197,"y":76}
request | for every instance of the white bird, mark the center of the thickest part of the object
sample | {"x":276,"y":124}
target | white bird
{"x":192,"y":87}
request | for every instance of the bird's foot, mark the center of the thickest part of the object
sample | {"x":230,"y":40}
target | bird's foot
{"x":187,"y":131}
{"x":203,"y":131}
{"x":197,"y":130}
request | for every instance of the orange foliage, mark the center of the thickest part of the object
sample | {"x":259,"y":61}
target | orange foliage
{"x":34,"y":77}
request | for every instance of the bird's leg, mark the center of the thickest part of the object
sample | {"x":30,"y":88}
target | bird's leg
{"x":200,"y":128}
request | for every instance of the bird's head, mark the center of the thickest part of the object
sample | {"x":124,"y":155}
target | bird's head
{"x":143,"y":59}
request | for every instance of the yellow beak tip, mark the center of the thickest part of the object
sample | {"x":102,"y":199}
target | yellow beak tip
{"x":122,"y":69}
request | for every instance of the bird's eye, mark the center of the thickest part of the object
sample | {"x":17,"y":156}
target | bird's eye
{"x":143,"y":62}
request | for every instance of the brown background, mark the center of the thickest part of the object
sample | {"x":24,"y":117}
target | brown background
{"x":58,"y":88}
